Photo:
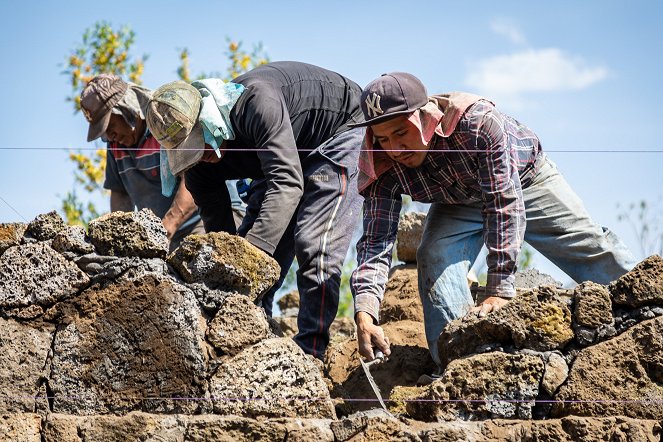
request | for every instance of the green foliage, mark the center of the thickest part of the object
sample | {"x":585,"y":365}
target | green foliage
{"x":646,"y":221}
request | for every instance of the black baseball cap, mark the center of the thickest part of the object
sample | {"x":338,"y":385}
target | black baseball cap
{"x":391,"y":95}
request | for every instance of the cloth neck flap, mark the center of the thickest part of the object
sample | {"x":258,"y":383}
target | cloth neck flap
{"x":218,"y":100}
{"x":437,"y":117}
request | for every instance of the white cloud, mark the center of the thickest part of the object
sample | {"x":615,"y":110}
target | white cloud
{"x":507,"y":29}
{"x":510,"y":77}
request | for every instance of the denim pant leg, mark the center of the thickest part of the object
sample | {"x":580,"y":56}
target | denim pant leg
{"x":451,"y":241}
{"x":559,"y":227}
{"x":326,"y":218}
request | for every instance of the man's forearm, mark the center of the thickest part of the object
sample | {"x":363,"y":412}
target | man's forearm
{"x":182,"y":208}
{"x":121,"y":201}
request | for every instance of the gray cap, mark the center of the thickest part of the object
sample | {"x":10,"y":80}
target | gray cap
{"x":172,"y":117}
{"x":98,"y":98}
{"x":391,"y":95}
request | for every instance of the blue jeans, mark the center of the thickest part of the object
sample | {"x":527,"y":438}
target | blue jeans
{"x":558,"y":226}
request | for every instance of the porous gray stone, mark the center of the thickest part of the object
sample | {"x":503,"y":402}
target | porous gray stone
{"x":131,"y":234}
{"x":37,"y":274}
{"x":225,"y":262}
{"x":410,"y":229}
{"x":273,"y":378}
{"x":239,"y":323}
{"x":23,"y":359}
{"x":72,"y":239}
{"x":46,"y":226}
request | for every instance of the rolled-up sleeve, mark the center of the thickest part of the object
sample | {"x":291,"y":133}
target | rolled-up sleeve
{"x":382,"y":206}
{"x":504,"y":207}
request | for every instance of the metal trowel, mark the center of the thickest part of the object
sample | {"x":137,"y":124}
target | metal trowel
{"x":379,"y":358}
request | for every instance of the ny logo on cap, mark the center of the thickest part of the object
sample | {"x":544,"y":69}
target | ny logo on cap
{"x":373,"y":105}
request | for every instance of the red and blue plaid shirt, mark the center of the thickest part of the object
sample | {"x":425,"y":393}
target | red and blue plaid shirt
{"x":488,"y":159}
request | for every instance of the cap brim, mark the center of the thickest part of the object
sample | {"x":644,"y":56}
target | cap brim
{"x":188,"y":152}
{"x":381,"y":118}
{"x":99,"y":128}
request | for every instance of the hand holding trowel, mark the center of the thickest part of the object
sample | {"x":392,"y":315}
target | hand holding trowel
{"x":374,"y":346}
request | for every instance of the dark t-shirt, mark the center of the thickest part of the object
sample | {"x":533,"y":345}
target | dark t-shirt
{"x":135,"y":171}
{"x":288,"y":110}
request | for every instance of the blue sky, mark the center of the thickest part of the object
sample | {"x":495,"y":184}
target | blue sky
{"x":586,"y":76}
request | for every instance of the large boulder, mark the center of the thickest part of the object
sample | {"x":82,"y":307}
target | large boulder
{"x":23,"y":361}
{"x":539,"y":320}
{"x":622,"y":376}
{"x":37,"y":274}
{"x":641,"y":286}
{"x":138,"y":234}
{"x":225,"y":262}
{"x":486,"y":386}
{"x":273,"y":378}
{"x":133,"y":345}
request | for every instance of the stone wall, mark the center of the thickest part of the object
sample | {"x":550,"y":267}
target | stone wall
{"x":103,"y":336}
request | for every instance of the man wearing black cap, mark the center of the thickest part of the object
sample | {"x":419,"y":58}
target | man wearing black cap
{"x":287,"y":125}
{"x":489,"y":183}
{"x":113,"y":108}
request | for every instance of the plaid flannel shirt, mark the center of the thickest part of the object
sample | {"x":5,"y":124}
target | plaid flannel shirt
{"x":488,"y":159}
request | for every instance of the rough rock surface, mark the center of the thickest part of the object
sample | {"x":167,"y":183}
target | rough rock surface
{"x":127,"y":342}
{"x":490,"y":385}
{"x":265,"y":379}
{"x":641,"y":286}
{"x":239,"y":323}
{"x":11,"y":234}
{"x":622,"y":376}
{"x":592,"y":313}
{"x":72,"y":239}
{"x":138,"y":234}
{"x":45,"y":226}
{"x":24,"y":355}
{"x":225,"y":262}
{"x":37,"y":274}
{"x":539,"y":320}
{"x":410,"y":229}
{"x":401,"y":297}
{"x":20,"y":427}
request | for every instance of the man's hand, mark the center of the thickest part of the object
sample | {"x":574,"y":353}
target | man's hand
{"x":490,"y":304}
{"x":370,"y":336}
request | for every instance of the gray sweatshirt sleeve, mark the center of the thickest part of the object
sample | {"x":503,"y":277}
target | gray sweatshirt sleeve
{"x":266,"y":122}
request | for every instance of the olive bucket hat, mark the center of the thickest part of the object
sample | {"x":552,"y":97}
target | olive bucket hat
{"x":172,"y":117}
